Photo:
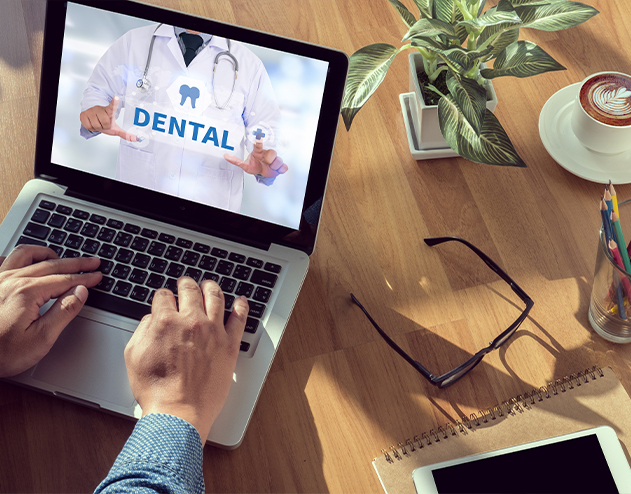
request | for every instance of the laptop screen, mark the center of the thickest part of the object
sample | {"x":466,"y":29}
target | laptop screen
{"x":198,"y":111}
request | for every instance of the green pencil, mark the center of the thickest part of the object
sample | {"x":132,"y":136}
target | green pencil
{"x":620,"y":241}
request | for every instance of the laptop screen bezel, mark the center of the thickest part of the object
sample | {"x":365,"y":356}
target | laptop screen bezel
{"x":174,"y":210}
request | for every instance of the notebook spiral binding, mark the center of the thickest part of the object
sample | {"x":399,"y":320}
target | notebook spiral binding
{"x":512,"y":406}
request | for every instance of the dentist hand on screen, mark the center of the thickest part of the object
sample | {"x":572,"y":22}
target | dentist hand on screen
{"x":199,"y":113}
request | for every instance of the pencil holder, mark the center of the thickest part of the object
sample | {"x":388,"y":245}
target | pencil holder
{"x":610,"y":304}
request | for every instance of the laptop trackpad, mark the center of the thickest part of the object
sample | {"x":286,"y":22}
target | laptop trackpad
{"x":88,"y":359}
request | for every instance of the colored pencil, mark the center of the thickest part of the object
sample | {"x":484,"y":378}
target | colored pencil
{"x":607,"y":227}
{"x":615,"y":252}
{"x":620,"y":241}
{"x":614,"y":198}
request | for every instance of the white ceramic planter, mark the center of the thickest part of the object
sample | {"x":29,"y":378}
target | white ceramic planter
{"x":425,"y":119}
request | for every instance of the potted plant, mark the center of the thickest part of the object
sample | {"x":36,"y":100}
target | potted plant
{"x":454,"y":37}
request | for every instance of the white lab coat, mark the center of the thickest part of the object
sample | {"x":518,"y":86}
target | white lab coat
{"x":185,"y":136}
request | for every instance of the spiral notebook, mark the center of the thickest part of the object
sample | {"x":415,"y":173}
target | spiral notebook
{"x":582,"y":400}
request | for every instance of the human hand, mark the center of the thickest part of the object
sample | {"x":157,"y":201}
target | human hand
{"x":30,"y":276}
{"x":103,"y":119}
{"x":181,"y":362}
{"x":261,"y":161}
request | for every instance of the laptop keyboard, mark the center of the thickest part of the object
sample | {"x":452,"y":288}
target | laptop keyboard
{"x":136,"y":261}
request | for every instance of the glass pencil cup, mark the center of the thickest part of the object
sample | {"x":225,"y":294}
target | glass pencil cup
{"x":612,"y":287}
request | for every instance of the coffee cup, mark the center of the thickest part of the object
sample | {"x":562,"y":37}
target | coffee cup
{"x":601,"y":117}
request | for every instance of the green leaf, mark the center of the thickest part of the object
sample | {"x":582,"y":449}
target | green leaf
{"x":555,"y":16}
{"x":405,"y":14}
{"x":492,"y":146}
{"x":521,"y":59}
{"x":533,"y":2}
{"x":425,"y":8}
{"x":367,"y":69}
{"x":446,"y":11}
{"x":460,"y":60}
{"x":426,"y":28}
{"x":502,"y":14}
{"x":470,"y":98}
{"x":504,"y":38}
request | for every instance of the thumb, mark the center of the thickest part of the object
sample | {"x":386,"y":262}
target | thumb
{"x":236,"y":322}
{"x":64,"y":310}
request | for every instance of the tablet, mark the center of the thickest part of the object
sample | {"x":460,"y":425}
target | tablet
{"x":581,"y":462}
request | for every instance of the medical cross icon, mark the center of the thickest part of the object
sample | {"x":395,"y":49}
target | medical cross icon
{"x":259,"y":134}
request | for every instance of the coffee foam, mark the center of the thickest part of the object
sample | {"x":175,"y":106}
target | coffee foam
{"x":607,"y":98}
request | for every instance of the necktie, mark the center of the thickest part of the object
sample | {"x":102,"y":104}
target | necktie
{"x":192,"y":42}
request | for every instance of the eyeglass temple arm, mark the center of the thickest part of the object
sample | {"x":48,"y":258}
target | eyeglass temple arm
{"x":487,"y":260}
{"x":393,"y":345}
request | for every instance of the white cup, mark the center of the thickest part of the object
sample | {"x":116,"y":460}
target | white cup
{"x":612,"y":103}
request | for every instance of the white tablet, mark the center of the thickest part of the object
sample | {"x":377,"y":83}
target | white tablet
{"x":581,"y":462}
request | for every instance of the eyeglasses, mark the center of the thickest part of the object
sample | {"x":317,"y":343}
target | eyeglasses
{"x":452,"y":376}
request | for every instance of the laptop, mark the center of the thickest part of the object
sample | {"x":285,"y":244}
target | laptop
{"x":114,"y":197}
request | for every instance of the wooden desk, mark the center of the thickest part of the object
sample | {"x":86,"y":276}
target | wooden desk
{"x":337,"y":394}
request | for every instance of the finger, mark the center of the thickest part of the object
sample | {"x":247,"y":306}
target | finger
{"x":64,"y":310}
{"x":278,"y":165}
{"x":123,"y":134}
{"x":112,"y":107}
{"x":163,"y":300}
{"x":236,"y":322}
{"x":62,"y":266}
{"x":45,"y":288}
{"x":190,"y":296}
{"x":25,"y":255}
{"x":103,"y":118}
{"x":214,"y":302}
{"x":234,"y":160}
{"x":269,"y":156}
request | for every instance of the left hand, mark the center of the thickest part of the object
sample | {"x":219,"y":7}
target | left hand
{"x":261,"y":161}
{"x":30,"y":276}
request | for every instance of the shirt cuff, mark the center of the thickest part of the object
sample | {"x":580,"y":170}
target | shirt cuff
{"x":265,"y":180}
{"x":163,"y":454}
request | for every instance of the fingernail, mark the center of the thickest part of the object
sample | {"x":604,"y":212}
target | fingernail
{"x":81,"y":293}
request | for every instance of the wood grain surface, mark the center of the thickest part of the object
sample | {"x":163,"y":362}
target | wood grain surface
{"x":337,"y":394}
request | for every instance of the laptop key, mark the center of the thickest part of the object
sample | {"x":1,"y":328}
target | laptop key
{"x":40,"y":216}
{"x":190,"y":258}
{"x":242,"y":272}
{"x":251,"y":325}
{"x":207,"y":263}
{"x":124,"y":255}
{"x":138,"y":276}
{"x":121,"y":271}
{"x":146,"y":232}
{"x":203,"y":248}
{"x":274,"y":268}
{"x":244,"y":347}
{"x":105,"y":284}
{"x":106,"y":250}
{"x":256,"y":309}
{"x":38,"y":231}
{"x":196,"y":274}
{"x":123,"y":239}
{"x":173,"y":253}
{"x":228,"y":299}
{"x":139,"y":293}
{"x":57,"y":236}
{"x":112,"y":223}
{"x":90,"y":246}
{"x":155,"y":280}
{"x":29,"y":241}
{"x":255,"y":263}
{"x":117,"y":305}
{"x":209,"y":276}
{"x":225,"y":267}
{"x":245,"y":289}
{"x":262,"y":294}
{"x":74,"y":241}
{"x":98,"y":219}
{"x":156,"y":249}
{"x":166,"y":238}
{"x":56,"y":220}
{"x":158,"y":265}
{"x":263,"y":278}
{"x":227,"y":285}
{"x":82,"y":215}
{"x":135,"y":229}
{"x":63,"y":209}
{"x":239,"y":258}
{"x":182,"y":242}
{"x":58,"y":249}
{"x":73,"y":225}
{"x":47,"y":205}
{"x":175,"y":270}
{"x":171,"y":284}
{"x":69,"y":253}
{"x":219,"y":253}
{"x":106,"y":235}
{"x":106,"y":266}
{"x":141,"y":260}
{"x":122,"y":288}
{"x":90,"y":230}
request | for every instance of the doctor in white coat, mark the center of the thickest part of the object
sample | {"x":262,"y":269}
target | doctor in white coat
{"x":184,"y":132}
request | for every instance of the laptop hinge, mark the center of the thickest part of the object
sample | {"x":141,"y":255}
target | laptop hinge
{"x":182,"y":224}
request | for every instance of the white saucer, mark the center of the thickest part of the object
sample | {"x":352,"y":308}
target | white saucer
{"x":561,"y":143}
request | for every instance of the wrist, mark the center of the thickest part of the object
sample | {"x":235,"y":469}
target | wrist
{"x":187,"y":413}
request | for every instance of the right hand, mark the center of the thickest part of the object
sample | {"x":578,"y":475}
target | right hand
{"x":181,"y":362}
{"x":103,"y":119}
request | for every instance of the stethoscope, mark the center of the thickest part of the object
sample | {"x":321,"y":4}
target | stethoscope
{"x":143,"y":84}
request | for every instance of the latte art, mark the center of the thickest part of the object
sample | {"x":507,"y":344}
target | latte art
{"x":607,"y":98}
